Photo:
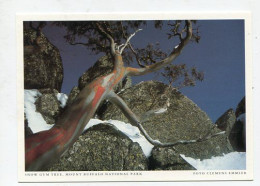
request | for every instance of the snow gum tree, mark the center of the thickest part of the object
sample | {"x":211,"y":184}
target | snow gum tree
{"x":114,"y":39}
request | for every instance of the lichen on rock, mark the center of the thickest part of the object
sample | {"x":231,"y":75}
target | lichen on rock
{"x":49,"y":107}
{"x":183,"y":120}
{"x":102,"y":148}
{"x":168,"y":159}
{"x":42,"y":62}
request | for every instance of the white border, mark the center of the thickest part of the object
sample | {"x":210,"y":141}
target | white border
{"x":146,"y":175}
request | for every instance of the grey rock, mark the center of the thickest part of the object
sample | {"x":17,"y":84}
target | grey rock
{"x":168,"y":159}
{"x":49,"y":106}
{"x":102,"y":148}
{"x":27,"y":129}
{"x":102,"y":67}
{"x":42,"y":62}
{"x":48,"y":91}
{"x":183,"y":119}
{"x":226,"y":121}
{"x":73,"y":94}
{"x":126,"y":83}
{"x":237,"y":136}
{"x":241,"y":107}
{"x":234,"y":126}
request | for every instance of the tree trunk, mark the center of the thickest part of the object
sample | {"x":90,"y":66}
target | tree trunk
{"x":42,"y":148}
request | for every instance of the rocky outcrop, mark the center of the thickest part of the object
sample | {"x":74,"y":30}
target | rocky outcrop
{"x":42,"y":62}
{"x":49,"y":106}
{"x":27,"y":129}
{"x":234,"y":125}
{"x":237,"y":136}
{"x":102,"y":148}
{"x":241,"y":107}
{"x":167,"y":159}
{"x":182,"y":120}
{"x":226,"y":121}
{"x":238,"y":133}
{"x":73,"y":94}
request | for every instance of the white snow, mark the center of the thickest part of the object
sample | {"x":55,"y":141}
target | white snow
{"x":131,"y":131}
{"x":35,"y":119}
{"x":160,"y":111}
{"x":62,"y":99}
{"x":37,"y":123}
{"x":230,"y":161}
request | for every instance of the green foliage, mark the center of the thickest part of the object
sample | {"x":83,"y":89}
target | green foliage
{"x":181,"y":76}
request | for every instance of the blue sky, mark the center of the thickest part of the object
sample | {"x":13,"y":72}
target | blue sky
{"x":219,"y":54}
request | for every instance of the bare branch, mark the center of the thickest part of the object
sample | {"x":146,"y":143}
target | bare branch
{"x":114,"y":98}
{"x":175,"y":53}
{"x":120,"y":45}
{"x":136,"y":55}
{"x":131,"y":47}
{"x":128,"y":40}
{"x":78,"y":43}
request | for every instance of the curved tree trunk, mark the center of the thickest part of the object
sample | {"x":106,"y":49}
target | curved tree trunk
{"x":44,"y":147}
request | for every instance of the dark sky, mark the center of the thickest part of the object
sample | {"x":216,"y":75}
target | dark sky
{"x":219,"y":54}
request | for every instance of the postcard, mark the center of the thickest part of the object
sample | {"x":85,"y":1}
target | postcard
{"x":134,"y":97}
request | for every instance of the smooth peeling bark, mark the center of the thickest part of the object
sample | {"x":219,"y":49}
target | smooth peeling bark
{"x":43,"y":147}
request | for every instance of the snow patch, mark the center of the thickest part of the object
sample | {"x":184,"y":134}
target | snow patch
{"x":35,"y":119}
{"x":160,"y":111}
{"x":62,"y":99}
{"x":230,"y":161}
{"x":134,"y":134}
{"x":129,"y":130}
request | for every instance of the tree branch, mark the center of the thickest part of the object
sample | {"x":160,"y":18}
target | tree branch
{"x":175,"y":53}
{"x":128,"y":40}
{"x":131,"y":47}
{"x":136,"y":55}
{"x":114,"y":98}
{"x":78,"y":43}
{"x":112,"y":42}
